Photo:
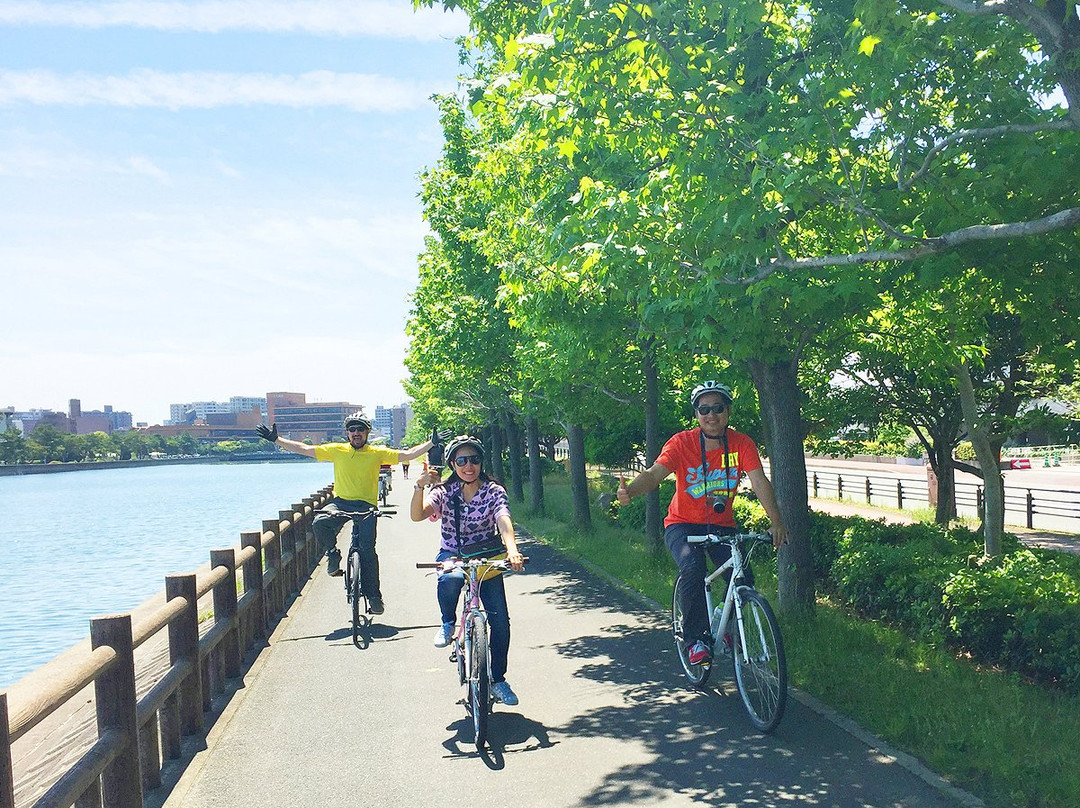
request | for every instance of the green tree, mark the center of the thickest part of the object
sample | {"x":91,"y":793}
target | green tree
{"x":51,"y":441}
{"x":12,"y":447}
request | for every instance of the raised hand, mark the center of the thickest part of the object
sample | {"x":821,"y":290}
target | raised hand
{"x":267,"y":433}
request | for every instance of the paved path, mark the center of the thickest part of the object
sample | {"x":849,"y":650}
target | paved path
{"x":604,"y":717}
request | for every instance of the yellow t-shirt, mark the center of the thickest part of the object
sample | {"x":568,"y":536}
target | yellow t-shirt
{"x":356,"y":471}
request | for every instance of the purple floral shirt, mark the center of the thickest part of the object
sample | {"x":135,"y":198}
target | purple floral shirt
{"x":478,"y":516}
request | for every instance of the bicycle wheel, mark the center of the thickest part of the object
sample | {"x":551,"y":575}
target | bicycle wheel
{"x":697,"y":674}
{"x":762,"y":674}
{"x":479,"y":678}
{"x":356,"y":597}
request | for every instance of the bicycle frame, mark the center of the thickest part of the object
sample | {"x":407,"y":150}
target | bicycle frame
{"x":731,"y":604}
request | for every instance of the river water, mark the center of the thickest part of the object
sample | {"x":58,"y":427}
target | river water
{"x":79,"y":544}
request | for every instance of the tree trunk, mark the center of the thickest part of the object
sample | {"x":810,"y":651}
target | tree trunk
{"x":778,"y":395}
{"x":941,"y":463}
{"x":994,"y":489}
{"x":513,"y":443}
{"x":495,"y":464}
{"x":654,"y":520}
{"x":536,"y":467}
{"x":579,"y":488}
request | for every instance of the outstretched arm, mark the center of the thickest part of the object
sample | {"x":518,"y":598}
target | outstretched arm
{"x":645,"y":482}
{"x":270,"y":433}
{"x":767,"y":497}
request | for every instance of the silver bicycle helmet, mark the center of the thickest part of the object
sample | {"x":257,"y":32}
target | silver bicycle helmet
{"x":711,"y":387}
{"x":357,"y":419}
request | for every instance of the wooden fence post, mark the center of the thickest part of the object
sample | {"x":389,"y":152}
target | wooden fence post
{"x":899,"y":495}
{"x":867,"y":490}
{"x":1030,"y":510}
{"x":304,"y":547}
{"x":225,"y":609}
{"x":184,"y":645}
{"x":114,"y":693}
{"x":273,"y":563}
{"x":7,"y":779}
{"x":815,"y":485}
{"x":839,"y":487}
{"x":288,"y":540}
{"x":253,"y":581}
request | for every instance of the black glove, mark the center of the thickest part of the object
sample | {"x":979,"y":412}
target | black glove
{"x":267,"y":433}
{"x":435,"y":453}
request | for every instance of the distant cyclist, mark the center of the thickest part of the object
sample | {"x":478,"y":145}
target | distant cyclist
{"x":707,"y":462}
{"x":475,"y":516}
{"x":356,"y":488}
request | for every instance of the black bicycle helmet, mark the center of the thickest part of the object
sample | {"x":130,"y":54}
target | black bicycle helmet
{"x":711,"y":387}
{"x":461,"y":441}
{"x":357,"y":419}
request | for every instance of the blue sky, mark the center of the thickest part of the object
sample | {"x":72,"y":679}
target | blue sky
{"x":211,"y":198}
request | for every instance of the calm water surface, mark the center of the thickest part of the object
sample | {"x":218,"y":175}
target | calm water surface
{"x":83,"y":543}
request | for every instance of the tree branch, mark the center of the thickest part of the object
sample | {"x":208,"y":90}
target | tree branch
{"x":1070,"y":217}
{"x":981,"y":134}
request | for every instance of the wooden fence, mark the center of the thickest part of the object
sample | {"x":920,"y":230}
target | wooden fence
{"x":136,"y":736}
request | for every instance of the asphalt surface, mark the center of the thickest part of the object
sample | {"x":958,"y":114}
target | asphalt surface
{"x":604,"y":719}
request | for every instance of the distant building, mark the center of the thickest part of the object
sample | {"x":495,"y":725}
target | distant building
{"x":214,"y":428}
{"x":107,"y":420}
{"x":298,"y":419}
{"x":392,"y":422}
{"x":194,"y":411}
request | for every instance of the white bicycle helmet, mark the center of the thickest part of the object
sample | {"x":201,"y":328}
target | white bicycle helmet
{"x":460,"y":441}
{"x":711,"y":387}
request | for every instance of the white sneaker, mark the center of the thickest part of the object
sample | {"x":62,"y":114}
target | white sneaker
{"x":443,"y":635}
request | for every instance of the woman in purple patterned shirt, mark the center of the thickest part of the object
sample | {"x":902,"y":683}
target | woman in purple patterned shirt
{"x":476,"y":521}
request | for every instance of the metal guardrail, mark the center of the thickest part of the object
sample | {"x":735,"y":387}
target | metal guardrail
{"x":135,"y":734}
{"x":1028,"y":506}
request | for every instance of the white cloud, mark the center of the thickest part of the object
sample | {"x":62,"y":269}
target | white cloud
{"x":38,"y":163}
{"x":152,"y":88}
{"x":381,"y":18}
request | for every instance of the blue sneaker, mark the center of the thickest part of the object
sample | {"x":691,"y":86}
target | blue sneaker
{"x":503,"y":693}
{"x":443,"y":635}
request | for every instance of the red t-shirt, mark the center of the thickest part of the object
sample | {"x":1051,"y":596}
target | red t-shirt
{"x":682,"y":455}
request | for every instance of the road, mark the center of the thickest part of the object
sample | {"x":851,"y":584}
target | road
{"x":604,"y":719}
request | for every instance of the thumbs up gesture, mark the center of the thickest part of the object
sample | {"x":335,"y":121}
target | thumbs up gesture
{"x":622,"y":495}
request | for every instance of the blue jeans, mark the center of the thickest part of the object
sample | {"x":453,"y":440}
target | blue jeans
{"x":327,"y":526}
{"x":693,"y":568}
{"x":493,"y":596}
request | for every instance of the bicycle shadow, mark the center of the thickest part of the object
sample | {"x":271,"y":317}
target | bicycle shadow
{"x":508,"y":733}
{"x":700,"y":742}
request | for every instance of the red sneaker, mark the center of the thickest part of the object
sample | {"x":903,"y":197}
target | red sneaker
{"x":699,"y":654}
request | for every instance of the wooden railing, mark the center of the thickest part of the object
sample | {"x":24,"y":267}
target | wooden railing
{"x":136,"y":734}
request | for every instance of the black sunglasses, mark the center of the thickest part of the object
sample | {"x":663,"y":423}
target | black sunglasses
{"x":356,"y":429}
{"x":705,"y":409}
{"x":462,"y":460}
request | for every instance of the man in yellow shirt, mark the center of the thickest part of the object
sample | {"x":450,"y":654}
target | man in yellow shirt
{"x":356,"y":488}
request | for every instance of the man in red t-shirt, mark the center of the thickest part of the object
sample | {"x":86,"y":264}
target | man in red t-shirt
{"x":707,"y":462}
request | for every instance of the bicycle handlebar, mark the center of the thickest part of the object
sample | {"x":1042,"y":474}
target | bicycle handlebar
{"x":502,"y":563}
{"x":357,"y":514}
{"x":734,"y":538}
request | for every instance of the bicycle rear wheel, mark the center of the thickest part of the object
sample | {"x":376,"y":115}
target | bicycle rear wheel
{"x":760,"y":666}
{"x":359,"y":602}
{"x":479,"y":678}
{"x":697,"y":674}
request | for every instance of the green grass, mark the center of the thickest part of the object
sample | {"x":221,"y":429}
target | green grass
{"x":1007,"y":741}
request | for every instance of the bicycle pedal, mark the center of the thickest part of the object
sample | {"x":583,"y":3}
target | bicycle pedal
{"x":453,"y":656}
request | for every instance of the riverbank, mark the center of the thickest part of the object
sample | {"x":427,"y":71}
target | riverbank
{"x":51,"y":468}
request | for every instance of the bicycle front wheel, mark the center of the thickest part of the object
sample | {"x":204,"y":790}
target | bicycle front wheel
{"x":760,"y":665}
{"x":697,"y":674}
{"x":479,"y":678}
{"x":359,"y":610}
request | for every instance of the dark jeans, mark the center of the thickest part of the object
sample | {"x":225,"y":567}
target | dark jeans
{"x":493,"y":596}
{"x":327,"y":526}
{"x":693,"y":568}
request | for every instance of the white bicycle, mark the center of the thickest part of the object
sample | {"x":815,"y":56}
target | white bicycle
{"x":743,"y":627}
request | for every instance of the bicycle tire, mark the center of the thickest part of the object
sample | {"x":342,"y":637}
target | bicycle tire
{"x":359,"y":613}
{"x":697,"y":674}
{"x":479,"y":679}
{"x":459,"y":654}
{"x":762,"y":677}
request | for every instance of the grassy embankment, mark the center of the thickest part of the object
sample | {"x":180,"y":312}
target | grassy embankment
{"x":990,"y":733}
